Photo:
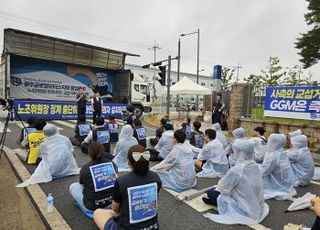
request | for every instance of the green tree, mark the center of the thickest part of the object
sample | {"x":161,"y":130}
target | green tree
{"x":309,"y":43}
{"x":295,"y":76}
{"x":270,"y":76}
{"x":226,"y":78}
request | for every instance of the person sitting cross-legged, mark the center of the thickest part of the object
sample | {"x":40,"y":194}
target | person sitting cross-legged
{"x":239,"y":194}
{"x":81,"y":131}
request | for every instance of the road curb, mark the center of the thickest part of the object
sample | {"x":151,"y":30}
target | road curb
{"x":52,"y":220}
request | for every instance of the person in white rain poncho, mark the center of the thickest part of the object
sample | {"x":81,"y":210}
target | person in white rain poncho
{"x":177,"y":170}
{"x":239,"y":194}
{"x":164,"y":145}
{"x":301,"y":160}
{"x":212,"y":161}
{"x":219,"y":135}
{"x":238,"y":133}
{"x":126,"y":140}
{"x":295,"y":133}
{"x":57,"y":158}
{"x":259,"y":149}
{"x":276,"y":170}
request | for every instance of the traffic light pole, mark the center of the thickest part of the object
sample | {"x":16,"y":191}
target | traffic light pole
{"x":168,"y":85}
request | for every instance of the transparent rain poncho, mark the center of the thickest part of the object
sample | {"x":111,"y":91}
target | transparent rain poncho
{"x":126,"y":140}
{"x":177,"y":170}
{"x":241,"y":200}
{"x":57,"y":158}
{"x":165,"y":144}
{"x":295,"y":133}
{"x":219,"y":135}
{"x":276,"y":170}
{"x":301,"y":160}
{"x":259,"y":149}
{"x":216,"y":160}
{"x":238,"y":133}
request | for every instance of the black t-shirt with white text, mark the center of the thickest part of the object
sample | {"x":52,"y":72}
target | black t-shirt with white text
{"x":91,"y":199}
{"x":121,"y":196}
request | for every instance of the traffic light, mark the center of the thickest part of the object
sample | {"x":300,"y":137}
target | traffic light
{"x":162,"y":75}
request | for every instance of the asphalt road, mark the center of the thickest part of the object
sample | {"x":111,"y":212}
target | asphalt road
{"x":173,"y":214}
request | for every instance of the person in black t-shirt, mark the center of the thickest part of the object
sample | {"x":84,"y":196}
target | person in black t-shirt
{"x":28,"y":129}
{"x":217,"y":111}
{"x":81,"y":131}
{"x":97,"y":105}
{"x":84,"y":193}
{"x":197,"y":137}
{"x":139,"y":132}
{"x":81,"y":101}
{"x":130,"y":115}
{"x":134,"y":204}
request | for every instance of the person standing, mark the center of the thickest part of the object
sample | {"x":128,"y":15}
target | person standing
{"x":97,"y":104}
{"x":81,"y":102}
{"x":217,"y":110}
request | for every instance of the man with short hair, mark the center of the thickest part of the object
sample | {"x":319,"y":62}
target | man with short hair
{"x":130,"y":115}
{"x":81,"y":102}
{"x":97,"y":105}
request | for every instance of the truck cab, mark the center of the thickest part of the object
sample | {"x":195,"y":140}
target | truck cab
{"x":140,"y":95}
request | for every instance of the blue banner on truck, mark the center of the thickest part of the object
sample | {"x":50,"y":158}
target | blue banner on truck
{"x":51,"y":110}
{"x":297,"y":102}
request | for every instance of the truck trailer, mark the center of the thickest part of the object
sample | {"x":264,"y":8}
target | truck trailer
{"x":42,"y":76}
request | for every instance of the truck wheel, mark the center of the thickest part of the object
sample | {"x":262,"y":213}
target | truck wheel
{"x":138,"y":111}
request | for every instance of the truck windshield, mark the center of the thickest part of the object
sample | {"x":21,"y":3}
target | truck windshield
{"x":144,"y":89}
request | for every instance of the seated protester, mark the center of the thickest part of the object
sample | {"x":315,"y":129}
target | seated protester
{"x":276,"y":170}
{"x":86,"y":193}
{"x":239,"y":194}
{"x":219,"y":135}
{"x":28,"y":129}
{"x":56,"y":156}
{"x":81,"y":131}
{"x":159,"y":131}
{"x":238,"y":133}
{"x":186,"y":127}
{"x":139,"y":132}
{"x":130,"y":115}
{"x":259,"y":149}
{"x":101,"y":134}
{"x":259,"y":132}
{"x":126,"y":141}
{"x":301,"y":160}
{"x":165,"y":144}
{"x":295,"y":133}
{"x":315,"y":204}
{"x":177,"y":170}
{"x":126,"y":210}
{"x":114,"y":129}
{"x":211,"y":161}
{"x":33,"y":141}
{"x":197,"y":138}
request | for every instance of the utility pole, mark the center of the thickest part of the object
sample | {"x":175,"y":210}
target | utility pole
{"x":178,"y":71}
{"x":238,"y":70}
{"x":155,"y":47}
{"x":299,"y":76}
{"x":168,"y":85}
{"x":198,"y":52}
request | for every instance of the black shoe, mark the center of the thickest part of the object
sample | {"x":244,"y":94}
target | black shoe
{"x":206,"y":200}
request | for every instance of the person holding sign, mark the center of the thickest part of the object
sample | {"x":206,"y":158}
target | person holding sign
{"x":27,"y":130}
{"x":81,"y":131}
{"x":197,"y":139}
{"x":135,"y":197}
{"x":99,"y":134}
{"x":177,"y":170}
{"x":97,"y":178}
{"x":114,"y":130}
{"x":139,"y":132}
{"x":126,"y":140}
{"x":81,"y":102}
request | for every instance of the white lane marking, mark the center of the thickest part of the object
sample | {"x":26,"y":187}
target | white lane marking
{"x":64,"y":123}
{"x":73,"y":121}
{"x":2,"y":127}
{"x":258,"y":227}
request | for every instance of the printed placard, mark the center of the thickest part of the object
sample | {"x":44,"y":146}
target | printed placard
{"x":103,"y":136}
{"x":199,"y":141}
{"x":114,"y":129}
{"x":103,"y":176}
{"x":84,"y":129}
{"x":143,"y":201}
{"x":141,"y":132}
{"x":27,"y":131}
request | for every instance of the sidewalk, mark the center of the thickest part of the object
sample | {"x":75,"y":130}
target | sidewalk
{"x":16,"y":210}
